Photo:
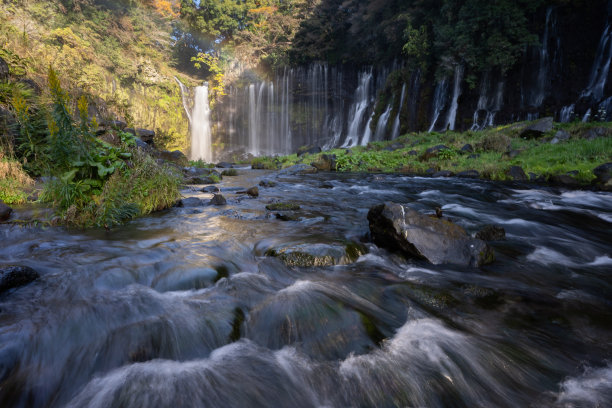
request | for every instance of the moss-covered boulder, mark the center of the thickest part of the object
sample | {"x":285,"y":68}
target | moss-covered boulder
{"x":308,"y":255}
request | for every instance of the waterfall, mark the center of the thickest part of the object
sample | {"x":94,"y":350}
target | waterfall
{"x":452,"y":113}
{"x":200,"y":126}
{"x":199,"y":121}
{"x":358,"y":110}
{"x":396,"y":124}
{"x":489,"y":103}
{"x":567,"y":113}
{"x":601,"y":67}
{"x":439,"y":102}
{"x":382,"y":124}
{"x":184,"y":91}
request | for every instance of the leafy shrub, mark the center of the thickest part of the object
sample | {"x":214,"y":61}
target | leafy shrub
{"x":496,"y":142}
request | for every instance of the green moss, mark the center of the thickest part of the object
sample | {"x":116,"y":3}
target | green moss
{"x":282,"y":207}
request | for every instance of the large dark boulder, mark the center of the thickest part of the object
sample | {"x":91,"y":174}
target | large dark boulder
{"x":538,"y":128}
{"x":5,"y":211}
{"x":564,"y":180}
{"x":517,"y":173}
{"x":400,"y":228}
{"x":14,"y":276}
{"x":145,"y":135}
{"x":4,"y":70}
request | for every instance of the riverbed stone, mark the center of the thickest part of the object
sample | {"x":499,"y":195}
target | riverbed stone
{"x":538,"y":128}
{"x":282,"y":207}
{"x":491,"y":233}
{"x":517,"y":173}
{"x":253,"y":192}
{"x":267,"y":183}
{"x":439,"y":241}
{"x":218,"y":199}
{"x":309,"y":255}
{"x":210,"y":189}
{"x":224,"y":165}
{"x":5,"y":211}
{"x":14,"y":276}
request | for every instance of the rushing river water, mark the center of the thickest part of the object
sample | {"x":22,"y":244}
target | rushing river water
{"x":184,"y":309}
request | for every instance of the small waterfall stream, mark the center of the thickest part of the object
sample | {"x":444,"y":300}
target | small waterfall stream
{"x":199,"y":121}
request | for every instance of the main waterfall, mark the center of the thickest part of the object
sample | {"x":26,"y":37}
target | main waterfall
{"x":199,"y":121}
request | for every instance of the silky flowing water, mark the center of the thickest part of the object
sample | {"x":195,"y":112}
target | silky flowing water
{"x":183,"y":308}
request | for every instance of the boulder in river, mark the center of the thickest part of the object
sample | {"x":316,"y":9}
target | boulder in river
{"x":282,"y":207}
{"x":224,"y":165}
{"x":210,"y":189}
{"x":5,"y":211}
{"x":439,"y":241}
{"x":443,"y":173}
{"x":191,"y":202}
{"x":13,"y":276}
{"x":307,"y":255}
{"x":267,"y":183}
{"x":253,"y":192}
{"x":218,"y":199}
{"x":538,"y":128}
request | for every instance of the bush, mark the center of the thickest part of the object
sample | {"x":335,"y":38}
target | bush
{"x":13,"y":180}
{"x":496,"y":142}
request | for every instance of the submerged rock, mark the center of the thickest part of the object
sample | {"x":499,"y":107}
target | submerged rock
{"x":267,"y":183}
{"x":282,"y":207}
{"x":399,"y":228}
{"x":13,"y":276}
{"x":491,"y":233}
{"x":443,"y":173}
{"x":307,"y":255}
{"x":538,"y":128}
{"x":5,"y":211}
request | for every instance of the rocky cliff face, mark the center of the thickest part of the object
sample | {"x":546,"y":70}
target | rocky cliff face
{"x":565,"y":75}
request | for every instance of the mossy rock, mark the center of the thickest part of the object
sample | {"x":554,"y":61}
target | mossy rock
{"x":282,"y":207}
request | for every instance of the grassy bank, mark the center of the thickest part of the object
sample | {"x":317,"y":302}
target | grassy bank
{"x":493,"y":152}
{"x":87,"y":180}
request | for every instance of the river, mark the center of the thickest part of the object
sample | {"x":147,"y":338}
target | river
{"x":183,"y":308}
